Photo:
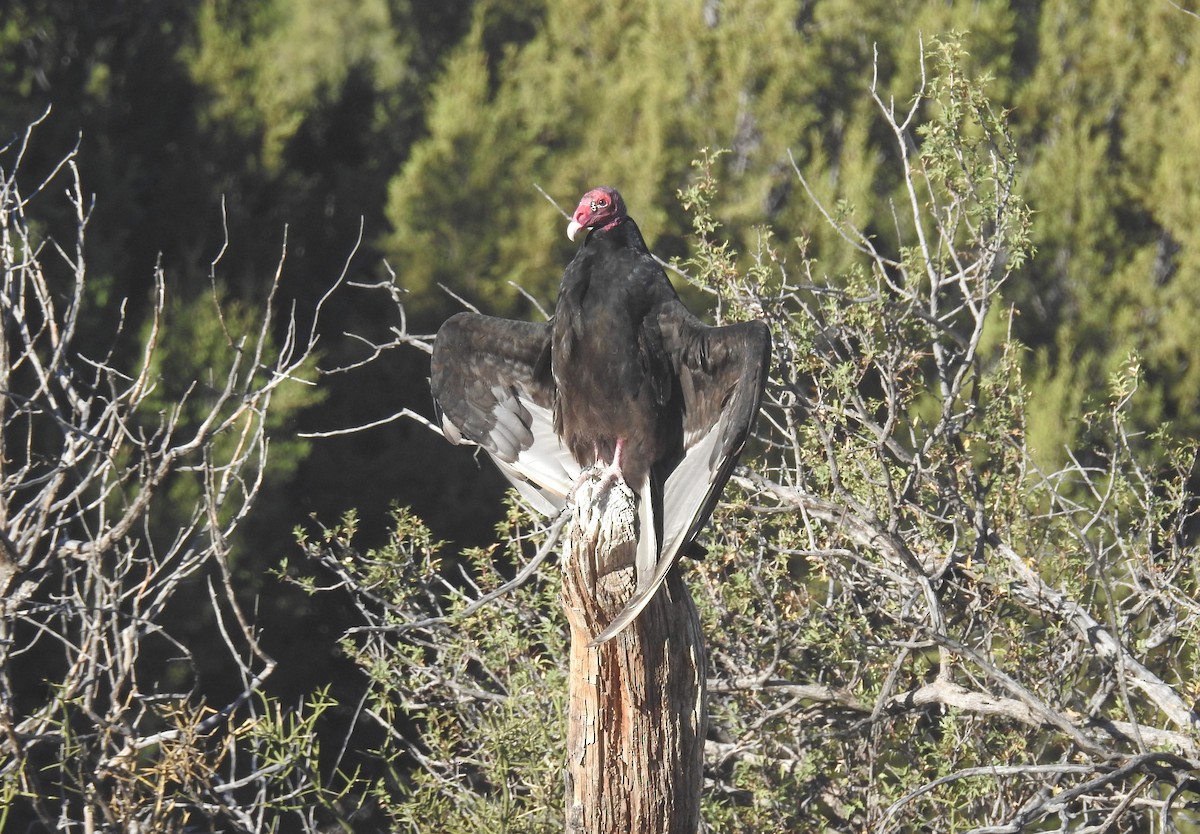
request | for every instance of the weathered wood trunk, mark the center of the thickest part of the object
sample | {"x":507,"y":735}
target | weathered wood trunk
{"x":636,"y":721}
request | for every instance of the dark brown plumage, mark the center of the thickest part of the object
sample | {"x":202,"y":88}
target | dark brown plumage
{"x":623,"y":377}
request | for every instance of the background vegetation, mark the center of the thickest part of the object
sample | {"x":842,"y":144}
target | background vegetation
{"x":964,"y":543}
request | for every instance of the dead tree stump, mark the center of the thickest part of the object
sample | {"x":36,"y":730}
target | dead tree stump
{"x":636,"y":720}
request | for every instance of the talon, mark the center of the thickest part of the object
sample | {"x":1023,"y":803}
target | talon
{"x":609,"y":475}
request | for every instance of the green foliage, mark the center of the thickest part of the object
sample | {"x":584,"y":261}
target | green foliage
{"x":269,"y":66}
{"x":465,"y":677}
{"x":118,"y":506}
{"x":209,"y":340}
{"x":1111,"y":179}
{"x":970,"y":157}
{"x":883,"y":596}
{"x":1025,"y":378}
{"x":555,"y":97}
{"x":588,"y":95}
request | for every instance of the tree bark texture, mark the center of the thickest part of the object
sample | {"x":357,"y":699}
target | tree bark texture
{"x":636,"y":721}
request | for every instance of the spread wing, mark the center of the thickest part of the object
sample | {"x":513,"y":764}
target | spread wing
{"x":492,"y":386}
{"x":721,"y":374}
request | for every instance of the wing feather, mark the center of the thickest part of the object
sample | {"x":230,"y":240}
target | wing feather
{"x":722,"y":372}
{"x":491,"y":386}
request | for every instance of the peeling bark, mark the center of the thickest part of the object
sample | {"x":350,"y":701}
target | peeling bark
{"x":636,"y":722}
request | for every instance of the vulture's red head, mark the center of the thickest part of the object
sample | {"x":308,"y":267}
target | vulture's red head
{"x":600,"y":208}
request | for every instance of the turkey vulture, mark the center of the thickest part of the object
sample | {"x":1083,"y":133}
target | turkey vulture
{"x":622,"y":377}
